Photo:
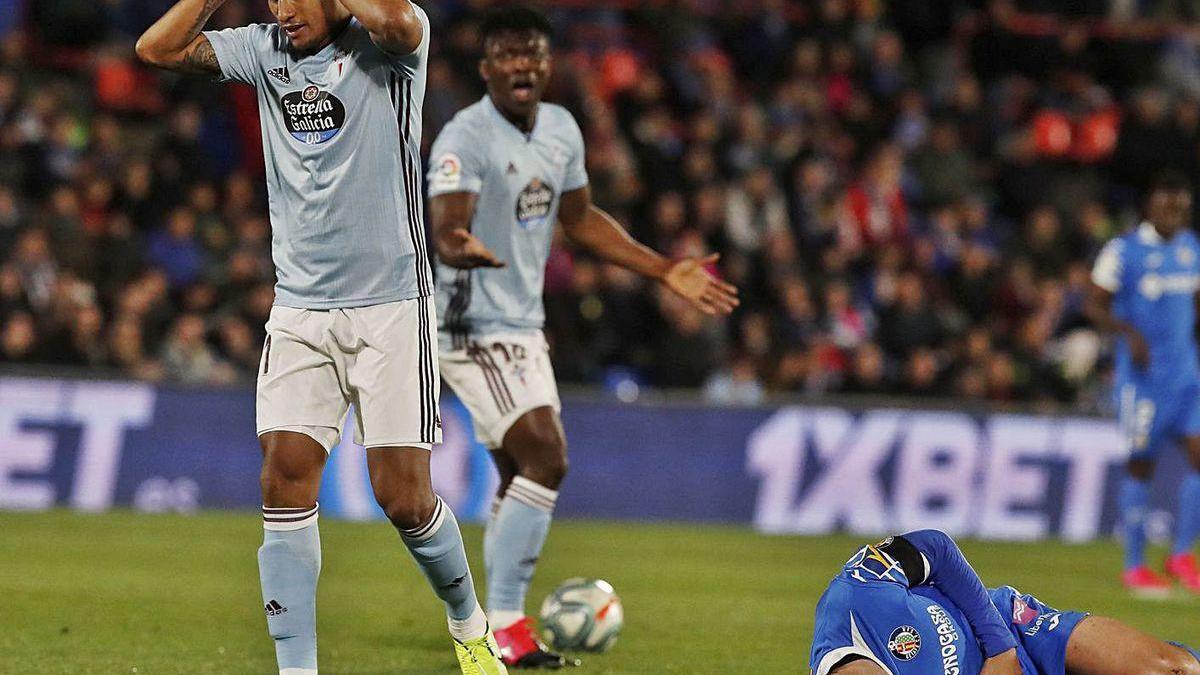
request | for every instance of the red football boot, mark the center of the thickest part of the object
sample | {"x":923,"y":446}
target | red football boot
{"x":1144,"y":582}
{"x":520,"y":648}
{"x":1182,"y":567}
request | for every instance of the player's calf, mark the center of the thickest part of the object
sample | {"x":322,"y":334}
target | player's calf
{"x":400,"y":478}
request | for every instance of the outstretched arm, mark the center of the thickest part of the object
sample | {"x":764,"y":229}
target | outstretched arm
{"x":174,"y":41}
{"x":451,"y":214}
{"x":592,"y":228}
{"x":393,"y":24}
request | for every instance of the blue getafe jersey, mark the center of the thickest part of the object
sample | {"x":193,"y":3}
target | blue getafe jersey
{"x":1154,"y":284}
{"x":869,"y":611}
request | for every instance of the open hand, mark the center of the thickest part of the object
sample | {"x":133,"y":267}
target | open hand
{"x":464,"y":250}
{"x":690,"y":280}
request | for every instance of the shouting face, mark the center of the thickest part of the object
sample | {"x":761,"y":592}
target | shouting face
{"x":516,"y":67}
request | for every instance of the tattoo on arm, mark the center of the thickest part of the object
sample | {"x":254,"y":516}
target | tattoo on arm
{"x":210,"y":6}
{"x":201,"y":59}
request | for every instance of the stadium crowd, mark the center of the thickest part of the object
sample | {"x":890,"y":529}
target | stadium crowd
{"x":908,"y":194}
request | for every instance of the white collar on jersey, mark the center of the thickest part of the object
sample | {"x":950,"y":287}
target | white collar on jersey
{"x":503,"y":121}
{"x":1149,"y":235}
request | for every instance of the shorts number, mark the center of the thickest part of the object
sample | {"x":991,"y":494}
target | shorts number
{"x":512,"y":351}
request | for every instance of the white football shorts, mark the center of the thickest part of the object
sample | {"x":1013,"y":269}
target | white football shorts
{"x":382,"y":359}
{"x":499,"y":377}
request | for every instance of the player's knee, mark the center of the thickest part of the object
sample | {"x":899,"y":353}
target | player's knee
{"x":406,"y":511}
{"x":283,"y":483}
{"x":549,"y":464}
{"x":1172,"y":660}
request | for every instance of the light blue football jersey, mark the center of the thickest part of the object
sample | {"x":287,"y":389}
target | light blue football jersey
{"x":342,"y":140}
{"x":519,"y":179}
{"x":1154,"y":284}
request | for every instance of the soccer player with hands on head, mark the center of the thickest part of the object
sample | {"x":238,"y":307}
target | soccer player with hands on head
{"x":340,"y":86}
{"x":503,"y":172}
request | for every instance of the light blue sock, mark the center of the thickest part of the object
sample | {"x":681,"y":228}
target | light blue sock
{"x":520,"y":530}
{"x":289,"y":563}
{"x":489,"y":535}
{"x":1135,"y":497}
{"x":1187,"y":525}
{"x":438,"y":549}
{"x":1189,"y":650}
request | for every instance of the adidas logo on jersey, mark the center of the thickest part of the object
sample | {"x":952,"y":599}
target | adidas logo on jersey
{"x":273,"y":608}
{"x":280,"y":74}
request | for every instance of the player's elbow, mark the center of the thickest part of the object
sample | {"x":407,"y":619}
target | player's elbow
{"x":145,"y":50}
{"x":149,"y":52}
{"x":401,"y":30}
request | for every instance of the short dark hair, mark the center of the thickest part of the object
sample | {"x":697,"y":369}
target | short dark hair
{"x":1169,"y":180}
{"x":513,"y":19}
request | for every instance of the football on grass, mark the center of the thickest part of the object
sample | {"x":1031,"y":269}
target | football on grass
{"x":582,"y":615}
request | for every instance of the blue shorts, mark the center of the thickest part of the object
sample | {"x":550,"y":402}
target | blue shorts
{"x":1150,"y":417}
{"x":1041,"y":631}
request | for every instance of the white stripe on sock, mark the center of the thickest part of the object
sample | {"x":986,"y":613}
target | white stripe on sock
{"x":532,"y":494}
{"x":298,"y":671}
{"x":537,"y":489}
{"x":429,"y":529}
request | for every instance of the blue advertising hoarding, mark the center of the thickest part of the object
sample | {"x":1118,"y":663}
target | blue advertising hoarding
{"x":94,"y":445}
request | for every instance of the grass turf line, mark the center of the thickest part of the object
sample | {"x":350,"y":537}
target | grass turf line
{"x":112,"y":592}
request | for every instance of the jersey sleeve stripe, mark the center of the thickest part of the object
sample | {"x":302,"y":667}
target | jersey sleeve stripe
{"x":858,"y":647}
{"x":415,"y":224}
{"x":416,"y":195}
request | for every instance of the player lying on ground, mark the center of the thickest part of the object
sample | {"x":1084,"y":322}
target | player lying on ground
{"x":503,"y":171}
{"x":340,"y":86}
{"x":912,"y":604}
{"x":1144,"y":288}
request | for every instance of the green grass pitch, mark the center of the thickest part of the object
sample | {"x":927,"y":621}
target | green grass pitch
{"x":125,"y":593}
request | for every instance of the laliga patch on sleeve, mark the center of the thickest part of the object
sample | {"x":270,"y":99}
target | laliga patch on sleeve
{"x":447,"y":173}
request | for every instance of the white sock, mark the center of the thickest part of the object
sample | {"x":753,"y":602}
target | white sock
{"x":298,"y":671}
{"x":470,"y":628}
{"x":503,"y":618}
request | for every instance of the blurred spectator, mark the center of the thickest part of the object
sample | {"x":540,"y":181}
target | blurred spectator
{"x":188,"y":358}
{"x":736,"y":385}
{"x":907,"y":195}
